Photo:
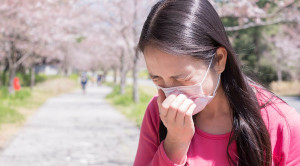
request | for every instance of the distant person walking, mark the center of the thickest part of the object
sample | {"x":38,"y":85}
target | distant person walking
{"x":99,"y":77}
{"x":84,"y":80}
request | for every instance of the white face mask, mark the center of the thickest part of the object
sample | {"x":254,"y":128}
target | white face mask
{"x":193,"y":92}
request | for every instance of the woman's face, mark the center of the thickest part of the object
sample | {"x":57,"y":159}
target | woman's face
{"x":168,"y":70}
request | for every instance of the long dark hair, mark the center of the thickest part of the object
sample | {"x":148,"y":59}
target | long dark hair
{"x":193,"y":27}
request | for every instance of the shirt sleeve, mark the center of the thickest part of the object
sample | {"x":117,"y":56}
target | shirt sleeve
{"x":150,"y":151}
{"x":293,"y":122}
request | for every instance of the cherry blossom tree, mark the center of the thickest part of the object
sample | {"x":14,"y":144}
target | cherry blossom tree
{"x":95,"y":35}
{"x":127,"y":24}
{"x":252,"y":13}
{"x":281,"y":15}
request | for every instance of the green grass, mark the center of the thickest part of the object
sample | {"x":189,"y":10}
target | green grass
{"x":25,"y":79}
{"x":74,"y":77}
{"x":9,"y":104}
{"x":9,"y":115}
{"x":126,"y":105}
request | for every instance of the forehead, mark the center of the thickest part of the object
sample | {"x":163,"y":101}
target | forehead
{"x":159,"y":62}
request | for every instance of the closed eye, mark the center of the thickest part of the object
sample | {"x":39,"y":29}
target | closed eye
{"x":155,"y":78}
{"x":179,"y":80}
{"x":186,"y":79}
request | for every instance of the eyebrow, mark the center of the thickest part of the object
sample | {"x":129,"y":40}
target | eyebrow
{"x":174,"y":77}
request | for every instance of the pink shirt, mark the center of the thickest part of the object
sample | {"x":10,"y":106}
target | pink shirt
{"x":282,"y":121}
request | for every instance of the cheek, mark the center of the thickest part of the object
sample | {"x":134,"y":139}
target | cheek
{"x":209,"y":84}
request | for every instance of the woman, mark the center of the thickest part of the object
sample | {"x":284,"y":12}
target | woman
{"x":207,"y":112}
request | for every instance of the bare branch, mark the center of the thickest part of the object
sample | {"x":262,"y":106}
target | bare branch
{"x":21,"y":60}
{"x":252,"y":24}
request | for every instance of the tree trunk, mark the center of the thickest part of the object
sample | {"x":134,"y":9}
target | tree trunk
{"x":257,"y":48}
{"x":123,"y":74}
{"x":3,"y":78}
{"x":60,"y":71}
{"x":32,"y":81}
{"x":279,"y":70}
{"x":279,"y":74}
{"x":1,"y":83}
{"x":65,"y":72}
{"x":135,"y":58}
{"x":104,"y":76}
{"x":4,"y":75}
{"x":69,"y":71}
{"x":115,"y":75}
{"x":135,"y":78}
{"x":12,"y":74}
{"x":12,"y":68}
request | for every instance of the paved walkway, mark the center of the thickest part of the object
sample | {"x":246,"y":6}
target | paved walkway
{"x":74,"y":130}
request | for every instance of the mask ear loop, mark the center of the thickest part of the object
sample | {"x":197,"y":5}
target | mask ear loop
{"x":208,"y":69}
{"x":217,"y":85}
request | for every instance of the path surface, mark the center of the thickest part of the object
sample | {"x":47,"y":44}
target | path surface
{"x":74,"y":130}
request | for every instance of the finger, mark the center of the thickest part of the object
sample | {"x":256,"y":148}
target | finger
{"x":166,"y":104}
{"x":188,"y":118}
{"x":174,"y":106}
{"x":183,"y":108}
{"x":161,"y":97}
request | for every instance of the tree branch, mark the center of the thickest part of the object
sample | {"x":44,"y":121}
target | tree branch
{"x":21,"y":60}
{"x":252,"y":24}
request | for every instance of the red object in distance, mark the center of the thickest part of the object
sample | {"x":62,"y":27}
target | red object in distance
{"x":17,"y":85}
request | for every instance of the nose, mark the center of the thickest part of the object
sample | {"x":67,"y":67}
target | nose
{"x":169,"y":84}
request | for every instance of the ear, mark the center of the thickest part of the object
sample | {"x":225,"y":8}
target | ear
{"x":220,"y":60}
